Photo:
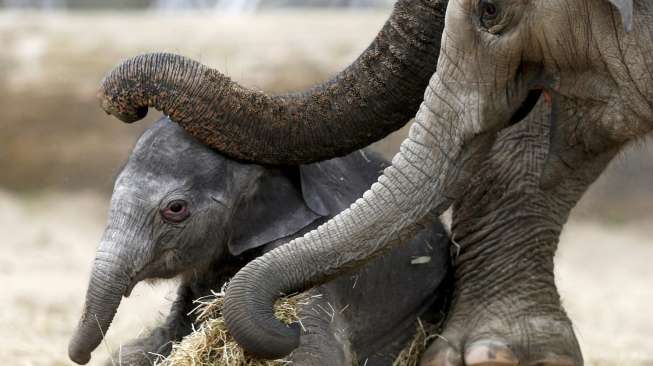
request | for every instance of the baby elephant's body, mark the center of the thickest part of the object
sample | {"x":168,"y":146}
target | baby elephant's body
{"x":181,"y":209}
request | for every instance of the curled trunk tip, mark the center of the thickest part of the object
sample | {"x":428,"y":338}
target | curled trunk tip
{"x":78,"y":356}
{"x":422,"y":182}
{"x":244,"y":318}
{"x":376,"y":95}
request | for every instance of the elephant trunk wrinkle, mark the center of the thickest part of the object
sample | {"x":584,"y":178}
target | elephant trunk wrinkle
{"x":373,"y":97}
{"x":106,"y":287}
{"x":414,"y":191}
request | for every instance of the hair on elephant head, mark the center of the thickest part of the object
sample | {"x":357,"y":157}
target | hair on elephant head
{"x":178,"y":206}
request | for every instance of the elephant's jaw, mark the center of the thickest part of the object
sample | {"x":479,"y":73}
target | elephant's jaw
{"x":163,"y":267}
{"x":529,"y":84}
{"x":130,"y":288}
{"x":574,"y":142}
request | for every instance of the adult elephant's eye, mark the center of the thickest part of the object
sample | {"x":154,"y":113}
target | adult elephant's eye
{"x":175,"y":211}
{"x":489,"y":13}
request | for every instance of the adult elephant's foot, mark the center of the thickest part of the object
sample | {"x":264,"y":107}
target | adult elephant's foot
{"x":504,"y":339}
{"x":505,"y":309}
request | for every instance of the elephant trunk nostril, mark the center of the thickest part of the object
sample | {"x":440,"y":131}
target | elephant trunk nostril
{"x":124,"y":109}
{"x":441,"y":354}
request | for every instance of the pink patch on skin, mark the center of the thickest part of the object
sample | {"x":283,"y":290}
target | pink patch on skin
{"x":547,"y":98}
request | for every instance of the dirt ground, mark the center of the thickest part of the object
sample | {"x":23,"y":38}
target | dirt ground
{"x":604,"y":274}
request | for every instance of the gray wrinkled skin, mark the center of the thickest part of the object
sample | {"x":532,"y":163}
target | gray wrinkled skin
{"x":592,"y":59}
{"x":506,"y":309}
{"x":237,"y":211}
{"x":599,"y":80}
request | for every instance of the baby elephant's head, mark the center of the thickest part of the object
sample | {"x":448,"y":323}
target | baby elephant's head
{"x":178,"y":206}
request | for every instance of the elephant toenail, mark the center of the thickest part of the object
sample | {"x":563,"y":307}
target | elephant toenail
{"x":490,"y":353}
{"x":442,"y":357}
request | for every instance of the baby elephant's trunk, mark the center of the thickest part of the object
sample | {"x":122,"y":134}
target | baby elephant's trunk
{"x":109,"y":281}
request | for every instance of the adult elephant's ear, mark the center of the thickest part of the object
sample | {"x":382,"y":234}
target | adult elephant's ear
{"x":331,"y":186}
{"x":273,"y":210}
{"x":625,"y":7}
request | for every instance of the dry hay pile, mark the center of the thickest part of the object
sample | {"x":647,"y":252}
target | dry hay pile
{"x":212,"y":345}
{"x":412,"y":353}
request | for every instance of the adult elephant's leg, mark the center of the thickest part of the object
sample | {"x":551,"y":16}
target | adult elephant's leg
{"x":506,"y":309}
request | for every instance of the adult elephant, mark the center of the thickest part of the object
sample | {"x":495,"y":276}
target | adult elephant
{"x":496,"y":58}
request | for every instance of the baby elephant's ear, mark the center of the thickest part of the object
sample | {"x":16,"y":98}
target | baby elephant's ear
{"x":271,"y":212}
{"x":331,"y":186}
{"x":625,"y":7}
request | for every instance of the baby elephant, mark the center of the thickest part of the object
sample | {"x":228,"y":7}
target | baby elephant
{"x":181,"y":209}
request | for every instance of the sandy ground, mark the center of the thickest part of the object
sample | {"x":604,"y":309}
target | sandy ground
{"x":604,"y":273}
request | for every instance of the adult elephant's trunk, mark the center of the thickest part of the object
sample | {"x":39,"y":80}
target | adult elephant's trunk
{"x":374,"y":96}
{"x":108,"y":283}
{"x":420,"y":184}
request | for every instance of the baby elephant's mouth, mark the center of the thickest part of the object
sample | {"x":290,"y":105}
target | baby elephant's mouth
{"x":527,"y":106}
{"x":130,"y":287}
{"x":157,"y":269}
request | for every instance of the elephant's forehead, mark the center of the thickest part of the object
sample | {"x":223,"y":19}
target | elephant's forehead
{"x":159,"y":150}
{"x":167,"y":165}
{"x":167,"y":152}
{"x":153,"y":176}
{"x":145,"y":185}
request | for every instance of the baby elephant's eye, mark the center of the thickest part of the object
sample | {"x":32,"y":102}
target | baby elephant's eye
{"x":175,"y":211}
{"x":489,"y":12}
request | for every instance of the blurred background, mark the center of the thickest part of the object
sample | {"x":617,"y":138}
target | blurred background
{"x":59,"y":153}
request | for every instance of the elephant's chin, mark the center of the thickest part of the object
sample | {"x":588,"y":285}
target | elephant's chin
{"x":130,"y":288}
{"x":160,"y":269}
